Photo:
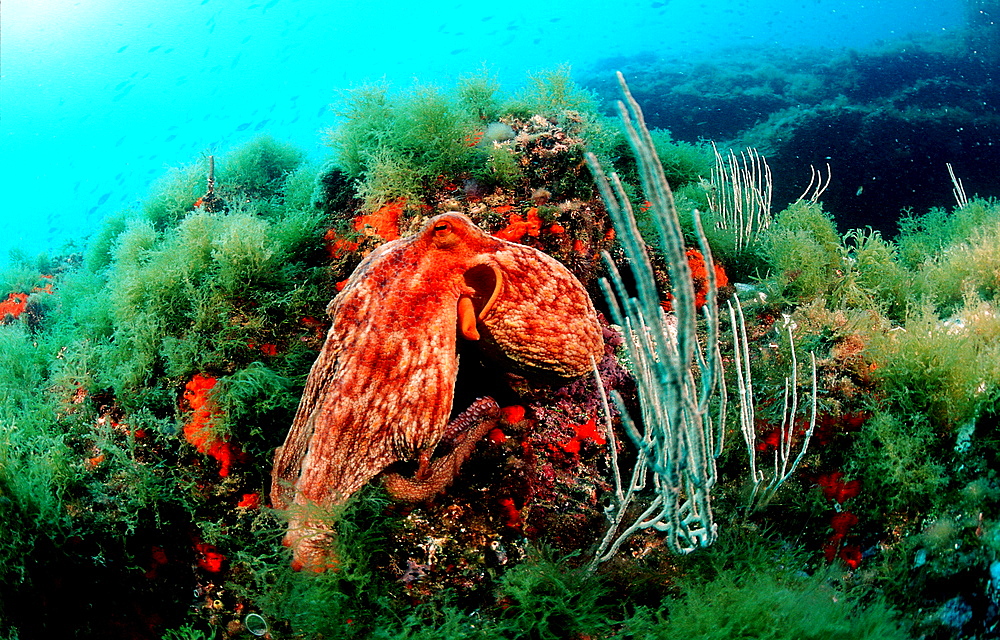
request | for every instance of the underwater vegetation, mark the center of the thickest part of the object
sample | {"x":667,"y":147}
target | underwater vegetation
{"x":148,"y":375}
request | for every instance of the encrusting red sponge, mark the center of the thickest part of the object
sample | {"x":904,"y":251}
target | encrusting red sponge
{"x":199,"y":429}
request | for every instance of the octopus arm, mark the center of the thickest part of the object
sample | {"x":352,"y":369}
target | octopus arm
{"x":381,"y":390}
{"x":288,"y":457}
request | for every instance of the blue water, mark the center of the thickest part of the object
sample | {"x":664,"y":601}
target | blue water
{"x":98,"y":98}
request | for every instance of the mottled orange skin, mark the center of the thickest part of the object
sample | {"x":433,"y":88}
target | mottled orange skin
{"x":382,"y":387}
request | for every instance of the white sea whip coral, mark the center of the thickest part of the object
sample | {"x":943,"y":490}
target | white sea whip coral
{"x":682,"y":404}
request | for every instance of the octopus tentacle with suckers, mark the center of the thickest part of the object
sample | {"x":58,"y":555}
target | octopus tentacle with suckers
{"x":383,"y":385}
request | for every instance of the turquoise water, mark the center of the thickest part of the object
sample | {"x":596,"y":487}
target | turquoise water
{"x":101,"y":97}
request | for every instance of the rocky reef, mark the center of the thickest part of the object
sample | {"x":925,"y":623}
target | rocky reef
{"x":887,"y":120}
{"x":147,"y":378}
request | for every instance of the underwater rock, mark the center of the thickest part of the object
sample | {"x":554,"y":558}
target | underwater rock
{"x":382,"y":388}
{"x":887,"y":118}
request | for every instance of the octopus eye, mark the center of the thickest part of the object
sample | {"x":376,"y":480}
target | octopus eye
{"x":441,"y":228}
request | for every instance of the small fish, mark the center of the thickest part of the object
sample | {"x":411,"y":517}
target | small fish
{"x":122,"y":49}
{"x":152,"y":49}
{"x":243,"y":127}
{"x":103,"y":198}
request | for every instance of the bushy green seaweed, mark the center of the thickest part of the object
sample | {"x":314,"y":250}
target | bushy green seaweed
{"x":944,"y":370}
{"x":174,"y":194}
{"x":874,"y":276}
{"x":353,"y":600}
{"x":546,"y":598}
{"x":193,"y":298}
{"x":552,"y":93}
{"x":480,"y":95}
{"x":257,"y":170}
{"x":803,"y":248}
{"x":775,"y":605}
{"x":897,"y":457}
{"x":683,"y":162}
{"x":188,"y":632}
{"x":924,"y":236}
{"x":967,"y":267}
{"x":394,"y":146}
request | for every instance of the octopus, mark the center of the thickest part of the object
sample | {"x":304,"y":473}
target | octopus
{"x":382,"y":387}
